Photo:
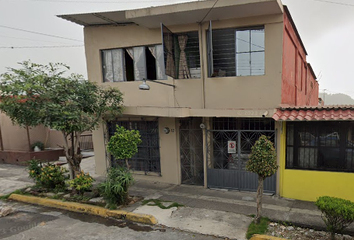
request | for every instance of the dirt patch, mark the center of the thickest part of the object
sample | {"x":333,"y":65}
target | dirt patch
{"x":297,"y":233}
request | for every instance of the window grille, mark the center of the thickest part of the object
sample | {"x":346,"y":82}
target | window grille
{"x":236,"y":52}
{"x":148,"y":157}
{"x":324,"y":146}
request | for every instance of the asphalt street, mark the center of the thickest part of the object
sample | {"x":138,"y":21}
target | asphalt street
{"x":37,"y":223}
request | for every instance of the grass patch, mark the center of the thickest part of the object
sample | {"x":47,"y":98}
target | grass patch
{"x":159,"y":203}
{"x":5,"y":197}
{"x":260,"y":228}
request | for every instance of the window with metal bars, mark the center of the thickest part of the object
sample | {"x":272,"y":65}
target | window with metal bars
{"x":181,"y":54}
{"x":148,"y":157}
{"x":323,"y":146}
{"x":236,"y":52}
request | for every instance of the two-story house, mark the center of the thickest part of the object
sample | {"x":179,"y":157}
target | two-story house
{"x":216,"y":72}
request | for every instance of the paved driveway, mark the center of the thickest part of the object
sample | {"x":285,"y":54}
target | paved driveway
{"x":13,"y":177}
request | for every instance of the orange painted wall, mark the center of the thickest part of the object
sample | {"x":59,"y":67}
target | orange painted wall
{"x":299,"y":85}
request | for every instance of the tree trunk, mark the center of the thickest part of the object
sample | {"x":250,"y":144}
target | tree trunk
{"x":76,"y":166}
{"x":127,"y":163}
{"x":259,"y":200}
{"x":1,"y":141}
{"x":28,"y":139}
{"x":72,"y":155}
{"x":333,"y":236}
{"x":72,"y":170}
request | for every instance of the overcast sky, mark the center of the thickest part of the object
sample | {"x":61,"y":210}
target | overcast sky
{"x":325,"y":26}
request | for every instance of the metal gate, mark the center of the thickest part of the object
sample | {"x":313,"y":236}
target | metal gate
{"x":226,"y":167}
{"x":191,"y":151}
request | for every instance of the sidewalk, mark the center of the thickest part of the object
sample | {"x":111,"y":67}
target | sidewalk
{"x":13,"y":177}
{"x":207,"y":211}
{"x":238,"y":205}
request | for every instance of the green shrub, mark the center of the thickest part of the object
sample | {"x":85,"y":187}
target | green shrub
{"x":34,"y":169}
{"x":82,"y":182}
{"x":115,"y":188}
{"x":124,"y":144}
{"x":337,"y":213}
{"x":52,"y":177}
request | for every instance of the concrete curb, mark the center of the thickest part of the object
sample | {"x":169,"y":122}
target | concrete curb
{"x":265,"y":237}
{"x":85,"y":208}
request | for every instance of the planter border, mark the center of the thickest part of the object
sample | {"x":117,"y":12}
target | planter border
{"x":85,"y":208}
{"x":265,"y":237}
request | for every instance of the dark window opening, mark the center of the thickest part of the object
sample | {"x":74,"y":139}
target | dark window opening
{"x":324,"y":146}
{"x":147,"y":159}
{"x":129,"y":67}
{"x":150,"y":64}
{"x":243,"y":124}
{"x":133,"y":64}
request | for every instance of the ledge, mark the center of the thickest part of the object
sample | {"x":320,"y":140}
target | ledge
{"x":85,"y":208}
{"x":265,"y":237}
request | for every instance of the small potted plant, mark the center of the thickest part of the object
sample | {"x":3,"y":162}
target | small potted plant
{"x":37,"y":146}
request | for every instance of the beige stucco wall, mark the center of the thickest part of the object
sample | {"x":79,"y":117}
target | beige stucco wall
{"x":15,"y":137}
{"x":251,"y":92}
{"x":249,"y":96}
{"x":101,"y":163}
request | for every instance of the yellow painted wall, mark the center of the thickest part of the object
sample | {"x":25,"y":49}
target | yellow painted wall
{"x":309,"y":185}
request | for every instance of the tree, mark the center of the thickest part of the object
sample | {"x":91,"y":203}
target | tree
{"x":124,"y":144}
{"x":262,"y":162}
{"x":43,"y":95}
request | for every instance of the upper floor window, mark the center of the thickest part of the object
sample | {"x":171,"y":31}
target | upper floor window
{"x":181,"y":54}
{"x":133,"y":64}
{"x":236,"y":52}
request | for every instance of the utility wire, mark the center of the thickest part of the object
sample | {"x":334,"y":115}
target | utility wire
{"x":67,"y":46}
{"x":332,"y":2}
{"x":209,"y":10}
{"x":30,"y":39}
{"x":76,"y":1}
{"x":44,"y":34}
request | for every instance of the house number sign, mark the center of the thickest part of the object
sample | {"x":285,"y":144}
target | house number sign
{"x":231,"y":146}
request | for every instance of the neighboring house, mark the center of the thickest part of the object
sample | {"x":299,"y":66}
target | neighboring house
{"x":317,"y":153}
{"x":219,"y":73}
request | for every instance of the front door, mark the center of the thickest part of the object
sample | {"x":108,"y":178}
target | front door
{"x":191,"y":151}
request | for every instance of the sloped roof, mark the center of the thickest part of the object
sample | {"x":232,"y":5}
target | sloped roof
{"x":315,"y":113}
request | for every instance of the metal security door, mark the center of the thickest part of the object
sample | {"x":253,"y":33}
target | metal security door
{"x":191,"y":151}
{"x":226,"y":168}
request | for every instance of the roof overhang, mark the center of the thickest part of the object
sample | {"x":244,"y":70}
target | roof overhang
{"x":178,"y":14}
{"x":321,"y":113}
{"x":183,"y":112}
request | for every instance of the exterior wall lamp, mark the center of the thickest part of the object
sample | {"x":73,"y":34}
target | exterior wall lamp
{"x":145,"y":86}
{"x":166,"y":130}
